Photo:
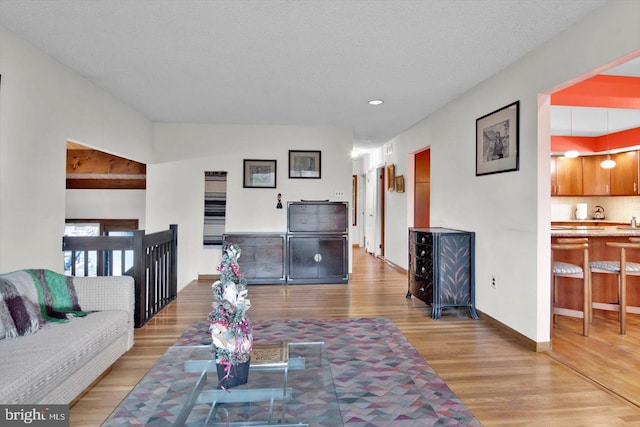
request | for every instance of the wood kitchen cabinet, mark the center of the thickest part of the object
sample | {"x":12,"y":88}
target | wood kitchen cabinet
{"x":624,"y":176}
{"x":568,"y":176}
{"x":595,"y":179}
{"x":583,"y":176}
{"x":554,"y":170}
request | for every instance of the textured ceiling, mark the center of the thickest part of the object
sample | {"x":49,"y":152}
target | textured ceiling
{"x":314,"y":62}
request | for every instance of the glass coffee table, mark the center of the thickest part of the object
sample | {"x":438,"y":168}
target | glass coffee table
{"x":182,"y":390}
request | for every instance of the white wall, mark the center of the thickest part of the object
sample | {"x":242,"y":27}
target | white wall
{"x":510,"y":211}
{"x":175,"y":189}
{"x":112,"y":204}
{"x":42,"y":104}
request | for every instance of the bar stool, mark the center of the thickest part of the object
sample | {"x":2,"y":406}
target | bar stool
{"x":614,"y":267}
{"x":564,"y":269}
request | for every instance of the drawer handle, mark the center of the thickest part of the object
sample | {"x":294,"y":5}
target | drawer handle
{"x":422,"y":239}
{"x":422,"y":253}
{"x":424,"y":270}
{"x":317,"y":257}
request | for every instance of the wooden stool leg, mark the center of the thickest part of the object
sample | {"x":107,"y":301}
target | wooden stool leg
{"x":554,"y":300}
{"x":622,"y":294}
{"x":619,"y":288}
{"x":586,"y":300}
{"x":590,"y":298}
{"x":585,"y":306}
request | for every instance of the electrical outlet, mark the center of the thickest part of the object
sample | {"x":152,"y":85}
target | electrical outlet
{"x":338,"y":193}
{"x":493,"y":282}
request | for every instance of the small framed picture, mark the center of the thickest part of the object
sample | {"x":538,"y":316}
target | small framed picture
{"x":391,"y":177}
{"x":497,"y":141}
{"x":304,"y":164}
{"x":259,"y":173}
{"x":400,"y":183}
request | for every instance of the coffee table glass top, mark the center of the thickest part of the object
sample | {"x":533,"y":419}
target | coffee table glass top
{"x":182,"y":389}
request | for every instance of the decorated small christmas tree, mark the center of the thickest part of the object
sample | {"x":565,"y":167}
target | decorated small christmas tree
{"x":230,"y":328}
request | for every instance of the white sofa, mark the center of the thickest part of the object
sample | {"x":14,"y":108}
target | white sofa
{"x":59,"y":361}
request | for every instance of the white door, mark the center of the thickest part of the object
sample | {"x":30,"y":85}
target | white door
{"x":370,"y":203}
{"x":379,"y":184}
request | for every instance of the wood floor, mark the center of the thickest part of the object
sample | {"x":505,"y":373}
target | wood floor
{"x":592,"y":381}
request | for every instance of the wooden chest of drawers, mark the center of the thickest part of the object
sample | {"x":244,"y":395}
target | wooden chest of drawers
{"x":262,"y":260}
{"x":441,"y":268}
{"x":318,"y":242}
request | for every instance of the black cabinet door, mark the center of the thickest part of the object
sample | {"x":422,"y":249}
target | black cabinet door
{"x":332,"y":261}
{"x":318,"y":259}
{"x":302,"y":263}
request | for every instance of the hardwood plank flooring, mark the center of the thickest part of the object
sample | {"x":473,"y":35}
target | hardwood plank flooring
{"x":581,"y":382}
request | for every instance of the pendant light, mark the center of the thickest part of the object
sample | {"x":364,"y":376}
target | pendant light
{"x":573,"y":153}
{"x":609,"y":163}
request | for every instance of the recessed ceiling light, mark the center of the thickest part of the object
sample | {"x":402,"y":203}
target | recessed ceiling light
{"x":376,"y":102}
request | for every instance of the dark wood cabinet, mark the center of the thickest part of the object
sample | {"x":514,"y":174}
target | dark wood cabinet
{"x":322,"y":217}
{"x":317,"y":242}
{"x":262,"y":257}
{"x":318,"y":259}
{"x":441,"y":268}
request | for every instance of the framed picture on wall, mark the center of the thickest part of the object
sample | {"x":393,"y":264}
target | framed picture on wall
{"x":259,"y":173}
{"x":497,"y":141}
{"x":391,"y":177}
{"x":400,"y":183}
{"x":304,"y":164}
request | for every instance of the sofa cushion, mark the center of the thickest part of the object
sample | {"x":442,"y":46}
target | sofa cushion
{"x":32,"y":365}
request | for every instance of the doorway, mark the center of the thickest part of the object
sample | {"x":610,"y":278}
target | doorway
{"x":374,"y":212}
{"x":422,"y":188}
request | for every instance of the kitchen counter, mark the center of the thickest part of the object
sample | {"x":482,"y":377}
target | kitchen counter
{"x":594,"y":231}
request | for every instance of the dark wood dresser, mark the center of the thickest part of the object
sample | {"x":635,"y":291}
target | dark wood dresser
{"x":262,"y":256}
{"x":317,"y":242}
{"x":441,"y":268}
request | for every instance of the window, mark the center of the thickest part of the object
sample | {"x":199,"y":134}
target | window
{"x":88,"y":263}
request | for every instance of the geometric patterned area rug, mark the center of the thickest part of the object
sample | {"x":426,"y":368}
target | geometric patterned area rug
{"x":380,"y":379}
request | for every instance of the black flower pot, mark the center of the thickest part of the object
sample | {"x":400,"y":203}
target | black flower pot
{"x":238,"y":374}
